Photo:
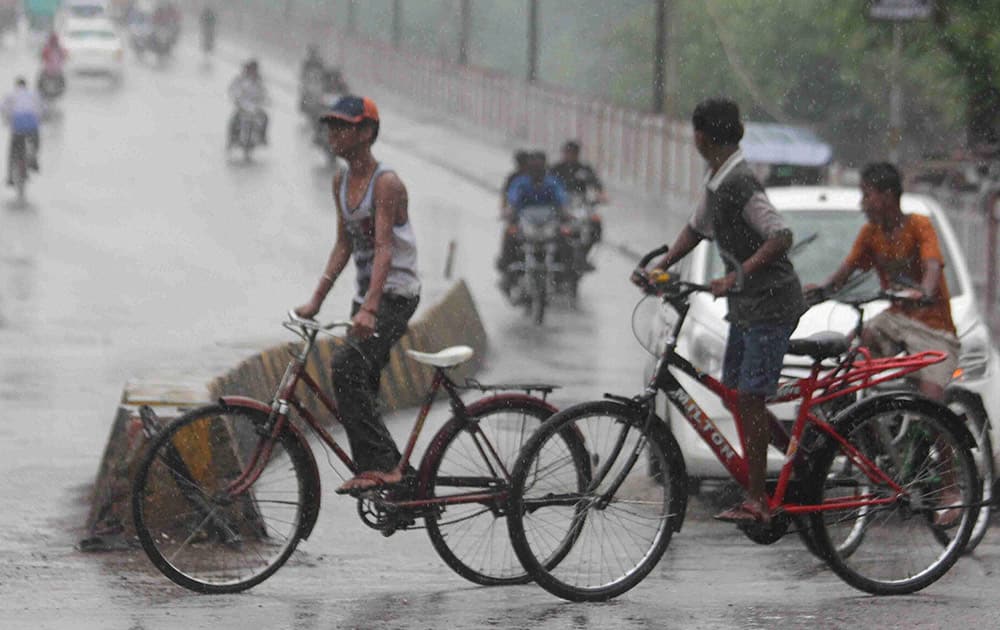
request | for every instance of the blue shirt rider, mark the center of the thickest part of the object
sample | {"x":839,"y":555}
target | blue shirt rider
{"x":534,"y":188}
{"x":22,"y":109}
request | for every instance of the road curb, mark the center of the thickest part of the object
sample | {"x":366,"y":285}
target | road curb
{"x":452,"y":320}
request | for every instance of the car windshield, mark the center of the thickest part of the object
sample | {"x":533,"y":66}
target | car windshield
{"x":91,"y":34}
{"x":822,"y":240}
{"x":86,"y":11}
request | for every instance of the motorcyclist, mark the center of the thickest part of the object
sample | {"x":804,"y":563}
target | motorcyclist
{"x":208,"y":20}
{"x":581,"y":182}
{"x":313,"y":62}
{"x":22,"y":109}
{"x":248,"y":92}
{"x":578,"y":178}
{"x":53,"y":58}
{"x":532,"y":188}
{"x":166,"y":23}
{"x":520,"y":168}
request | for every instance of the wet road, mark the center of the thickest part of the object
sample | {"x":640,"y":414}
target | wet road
{"x":145,"y":253}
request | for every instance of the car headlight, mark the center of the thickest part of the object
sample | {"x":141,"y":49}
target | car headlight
{"x":974,"y":358}
{"x":707,"y":351}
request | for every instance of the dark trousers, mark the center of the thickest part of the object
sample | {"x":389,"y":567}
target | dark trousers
{"x":356,"y":375}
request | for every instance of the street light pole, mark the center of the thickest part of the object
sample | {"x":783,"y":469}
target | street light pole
{"x":659,"y":57}
{"x":532,"y":41}
{"x":397,"y":23}
{"x":896,"y":94}
{"x":465,"y":17}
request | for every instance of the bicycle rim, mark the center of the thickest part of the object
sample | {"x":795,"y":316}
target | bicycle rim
{"x":476,"y":457}
{"x":894,"y":548}
{"x":614,"y":532}
{"x":197,"y":532}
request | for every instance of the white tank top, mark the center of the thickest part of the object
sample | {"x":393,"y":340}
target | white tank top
{"x":360,"y":221}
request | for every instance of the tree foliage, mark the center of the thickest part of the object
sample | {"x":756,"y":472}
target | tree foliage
{"x":827,"y":65}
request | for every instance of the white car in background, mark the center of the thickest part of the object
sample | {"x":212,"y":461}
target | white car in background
{"x":825,"y":222}
{"x":93,"y":46}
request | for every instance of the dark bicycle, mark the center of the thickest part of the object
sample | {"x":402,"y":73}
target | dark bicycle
{"x":225,"y":493}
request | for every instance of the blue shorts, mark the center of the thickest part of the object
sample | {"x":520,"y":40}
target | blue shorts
{"x":754,"y":356}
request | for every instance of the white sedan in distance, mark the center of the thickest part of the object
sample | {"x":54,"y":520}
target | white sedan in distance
{"x":93,"y":46}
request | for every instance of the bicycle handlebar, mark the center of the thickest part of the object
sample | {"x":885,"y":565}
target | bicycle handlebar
{"x":822,"y":294}
{"x":655,"y":283}
{"x":312,"y":324}
{"x":659,"y":251}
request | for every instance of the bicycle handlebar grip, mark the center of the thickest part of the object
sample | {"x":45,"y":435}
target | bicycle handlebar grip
{"x":659,"y":251}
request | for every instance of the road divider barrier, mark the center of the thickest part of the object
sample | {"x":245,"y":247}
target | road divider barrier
{"x":452,"y":320}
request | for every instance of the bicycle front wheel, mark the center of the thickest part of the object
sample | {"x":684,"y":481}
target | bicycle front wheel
{"x":894,"y":534}
{"x":195,"y":528}
{"x":474,"y":457}
{"x":622,"y":520}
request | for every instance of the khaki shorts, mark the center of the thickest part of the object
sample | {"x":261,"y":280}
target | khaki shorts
{"x":894,"y":333}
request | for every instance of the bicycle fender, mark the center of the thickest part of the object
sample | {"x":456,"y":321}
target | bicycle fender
{"x":672,"y":450}
{"x":310,"y":511}
{"x":896,"y":400}
{"x":245,"y":402}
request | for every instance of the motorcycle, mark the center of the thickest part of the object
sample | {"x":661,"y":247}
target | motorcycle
{"x":51,"y":84}
{"x":162,"y":40}
{"x":585,"y":230}
{"x":541,"y":267}
{"x":247,"y":130}
{"x":147,"y":35}
{"x":312,"y":88}
{"x":321,"y":132}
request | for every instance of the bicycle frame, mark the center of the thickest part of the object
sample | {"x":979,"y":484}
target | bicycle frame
{"x":823,"y":383}
{"x":286,"y":398}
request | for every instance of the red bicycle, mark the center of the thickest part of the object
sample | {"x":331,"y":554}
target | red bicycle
{"x":864,"y":487}
{"x":225,"y":493}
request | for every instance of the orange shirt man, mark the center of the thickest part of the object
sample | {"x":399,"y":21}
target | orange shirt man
{"x":904,"y":251}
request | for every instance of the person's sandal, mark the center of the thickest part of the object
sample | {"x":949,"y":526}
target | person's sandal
{"x":370,"y":480}
{"x":746,"y":512}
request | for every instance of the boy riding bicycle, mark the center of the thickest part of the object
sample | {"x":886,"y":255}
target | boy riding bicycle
{"x":373,"y":228}
{"x":737,"y":214}
{"x":903,"y":249}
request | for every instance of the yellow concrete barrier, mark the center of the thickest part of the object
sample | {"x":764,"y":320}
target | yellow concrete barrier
{"x":452,"y":320}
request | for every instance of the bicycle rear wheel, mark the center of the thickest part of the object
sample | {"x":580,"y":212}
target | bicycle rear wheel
{"x":621,"y":523}
{"x":474,"y":456}
{"x":195,"y":530}
{"x":894,"y":546}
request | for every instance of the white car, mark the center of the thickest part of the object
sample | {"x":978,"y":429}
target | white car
{"x":93,"y":46}
{"x":825,"y":221}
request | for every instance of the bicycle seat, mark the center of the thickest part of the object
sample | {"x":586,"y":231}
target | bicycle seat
{"x":449,"y":357}
{"x":821,"y":345}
